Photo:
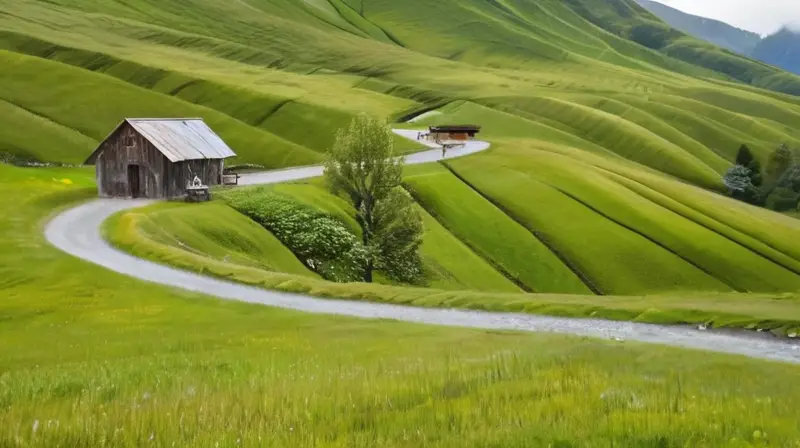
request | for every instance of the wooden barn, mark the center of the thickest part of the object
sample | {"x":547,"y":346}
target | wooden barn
{"x":158,"y":157}
{"x":449,"y":133}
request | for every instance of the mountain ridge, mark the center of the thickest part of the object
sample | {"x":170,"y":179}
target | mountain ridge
{"x":776,"y":49}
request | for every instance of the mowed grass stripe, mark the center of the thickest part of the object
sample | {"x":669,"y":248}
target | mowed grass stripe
{"x":772,"y":229}
{"x":710,"y":252}
{"x":769,"y":234}
{"x":624,"y":137}
{"x":451,"y":264}
{"x":752,"y":244}
{"x":616,"y":260}
{"x":490,"y":233}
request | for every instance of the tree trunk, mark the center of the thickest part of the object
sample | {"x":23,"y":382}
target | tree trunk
{"x":366,"y":232}
{"x":368,"y":272}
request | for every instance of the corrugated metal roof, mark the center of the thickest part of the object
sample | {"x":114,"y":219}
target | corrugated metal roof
{"x":182,"y":138}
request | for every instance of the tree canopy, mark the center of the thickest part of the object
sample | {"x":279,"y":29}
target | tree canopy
{"x":362,"y":166}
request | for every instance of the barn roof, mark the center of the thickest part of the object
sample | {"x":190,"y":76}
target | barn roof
{"x":177,"y":138}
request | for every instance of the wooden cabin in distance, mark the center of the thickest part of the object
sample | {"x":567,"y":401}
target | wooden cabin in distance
{"x":157,"y":158}
{"x":452,"y":133}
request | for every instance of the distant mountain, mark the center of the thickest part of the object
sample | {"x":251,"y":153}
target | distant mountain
{"x":781,"y":49}
{"x":718,"y":33}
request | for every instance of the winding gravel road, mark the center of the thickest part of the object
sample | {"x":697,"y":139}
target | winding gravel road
{"x":77,"y":232}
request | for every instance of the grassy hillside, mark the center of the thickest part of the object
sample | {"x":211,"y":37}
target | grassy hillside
{"x":111,"y":360}
{"x":608,"y":147}
{"x":567,"y":91}
{"x":215,"y":232}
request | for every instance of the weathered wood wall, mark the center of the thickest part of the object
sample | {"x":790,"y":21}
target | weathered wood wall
{"x":158,"y":177}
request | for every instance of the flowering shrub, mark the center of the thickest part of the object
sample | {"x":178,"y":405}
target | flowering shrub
{"x":320,"y":241}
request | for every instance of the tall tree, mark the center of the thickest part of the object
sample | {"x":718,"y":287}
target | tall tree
{"x":362,"y":165}
{"x":779,"y":161}
{"x":746,"y":159}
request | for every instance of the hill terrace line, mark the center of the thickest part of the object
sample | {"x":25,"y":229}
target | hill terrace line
{"x":158,"y":158}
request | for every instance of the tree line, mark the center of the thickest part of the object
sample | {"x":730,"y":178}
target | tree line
{"x":776,"y":187}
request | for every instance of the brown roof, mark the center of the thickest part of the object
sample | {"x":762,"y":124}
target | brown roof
{"x":455,"y":128}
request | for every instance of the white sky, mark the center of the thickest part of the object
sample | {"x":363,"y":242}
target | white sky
{"x":761,"y":16}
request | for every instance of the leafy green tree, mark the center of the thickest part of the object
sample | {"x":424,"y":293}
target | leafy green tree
{"x":362,"y":166}
{"x":398,"y":236}
{"x":746,"y":159}
{"x":740,"y":184}
{"x":737,"y":179}
{"x":779,"y":161}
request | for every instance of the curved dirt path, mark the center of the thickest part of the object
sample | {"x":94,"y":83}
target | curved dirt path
{"x":77,"y":232}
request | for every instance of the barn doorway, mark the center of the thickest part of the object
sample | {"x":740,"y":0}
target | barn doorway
{"x":133,"y":181}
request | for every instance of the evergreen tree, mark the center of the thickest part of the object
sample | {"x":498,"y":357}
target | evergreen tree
{"x":746,"y":159}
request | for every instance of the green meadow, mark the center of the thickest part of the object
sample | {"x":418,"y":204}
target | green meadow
{"x":94,"y":358}
{"x":601,"y":196}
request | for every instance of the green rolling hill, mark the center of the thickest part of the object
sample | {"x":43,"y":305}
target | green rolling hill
{"x":600,"y":197}
{"x":611,"y":130}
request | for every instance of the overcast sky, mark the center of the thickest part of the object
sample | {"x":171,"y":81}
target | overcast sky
{"x":761,"y":16}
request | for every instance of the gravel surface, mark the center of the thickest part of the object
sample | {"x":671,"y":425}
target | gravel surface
{"x":77,"y":232}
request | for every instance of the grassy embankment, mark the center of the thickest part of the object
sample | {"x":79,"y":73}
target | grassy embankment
{"x":166,"y":366}
{"x":134,"y":232}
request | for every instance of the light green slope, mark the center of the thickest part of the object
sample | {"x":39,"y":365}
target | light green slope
{"x":214,"y":232}
{"x":448,"y":262}
{"x":492,"y":234}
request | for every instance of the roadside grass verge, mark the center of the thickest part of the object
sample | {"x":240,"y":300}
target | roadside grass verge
{"x":216,"y":232}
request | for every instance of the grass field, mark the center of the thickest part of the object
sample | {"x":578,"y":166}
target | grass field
{"x":600,"y":197}
{"x":167,"y":367}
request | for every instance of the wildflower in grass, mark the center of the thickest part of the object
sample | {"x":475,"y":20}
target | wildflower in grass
{"x":35,"y":426}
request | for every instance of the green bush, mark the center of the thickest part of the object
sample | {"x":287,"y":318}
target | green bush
{"x":321,"y":242}
{"x":783,"y":199}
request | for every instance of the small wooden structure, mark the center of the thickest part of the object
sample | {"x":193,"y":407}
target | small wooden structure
{"x":230,"y":179}
{"x":197,"y":192}
{"x":452,"y":133}
{"x":158,"y":158}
